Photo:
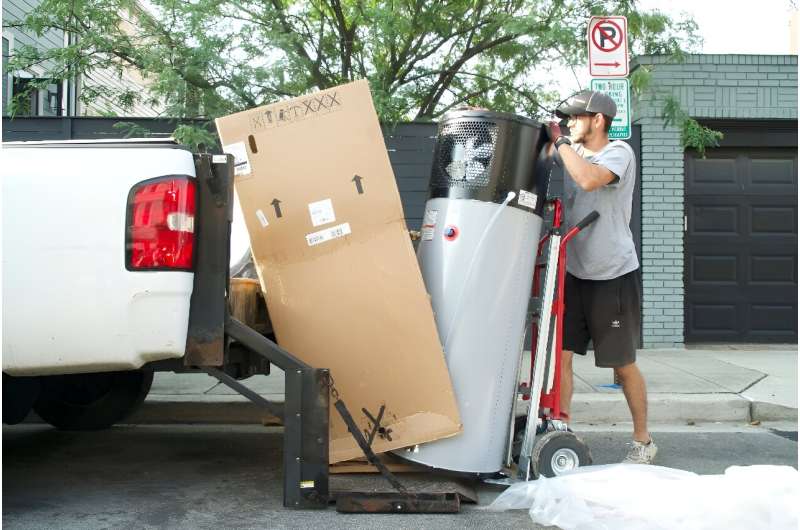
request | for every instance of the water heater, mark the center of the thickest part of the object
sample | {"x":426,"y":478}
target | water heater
{"x":477,"y":252}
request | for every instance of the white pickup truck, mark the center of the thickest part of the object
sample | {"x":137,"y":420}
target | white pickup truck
{"x":114,"y":264}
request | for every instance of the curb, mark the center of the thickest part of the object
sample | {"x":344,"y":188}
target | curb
{"x":212,"y":409}
{"x":663,"y":408}
{"x":586,"y":408}
{"x":681,"y":408}
{"x":763,"y":411}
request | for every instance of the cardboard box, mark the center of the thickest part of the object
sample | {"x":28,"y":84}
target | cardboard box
{"x":334,"y":258}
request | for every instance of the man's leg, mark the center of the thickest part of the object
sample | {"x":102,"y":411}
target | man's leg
{"x":575,"y":338}
{"x":635,"y":390}
{"x":566,"y":384}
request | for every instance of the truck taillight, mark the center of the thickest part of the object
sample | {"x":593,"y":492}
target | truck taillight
{"x":160,"y":220}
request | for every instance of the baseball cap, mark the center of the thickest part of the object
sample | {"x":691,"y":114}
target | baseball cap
{"x":587,"y":101}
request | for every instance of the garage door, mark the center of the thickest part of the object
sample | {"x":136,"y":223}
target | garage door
{"x":741,"y":244}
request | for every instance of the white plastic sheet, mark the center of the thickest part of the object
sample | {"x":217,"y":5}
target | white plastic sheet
{"x":638,"y":497}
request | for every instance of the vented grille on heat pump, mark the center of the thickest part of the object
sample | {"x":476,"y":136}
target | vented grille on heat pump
{"x":466,"y":152}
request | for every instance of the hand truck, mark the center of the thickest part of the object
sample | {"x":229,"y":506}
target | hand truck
{"x":548,"y":447}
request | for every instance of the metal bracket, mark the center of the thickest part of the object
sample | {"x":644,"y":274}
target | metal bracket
{"x":365,"y":447}
{"x":276,"y":409}
{"x":401,"y":501}
{"x":305,"y":420}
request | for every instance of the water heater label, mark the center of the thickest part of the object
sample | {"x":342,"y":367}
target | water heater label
{"x":428,"y":224}
{"x":430,"y":217}
{"x":527,"y":198}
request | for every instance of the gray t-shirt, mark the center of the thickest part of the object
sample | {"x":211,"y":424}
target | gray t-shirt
{"x":604,"y":250}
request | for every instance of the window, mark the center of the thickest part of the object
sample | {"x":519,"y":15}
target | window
{"x":42,"y":101}
{"x":30,"y":95}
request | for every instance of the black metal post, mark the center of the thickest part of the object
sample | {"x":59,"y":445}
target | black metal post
{"x":306,"y":429}
{"x":205,"y":342}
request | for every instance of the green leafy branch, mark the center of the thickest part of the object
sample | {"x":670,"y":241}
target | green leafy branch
{"x":195,"y":136}
{"x":693,"y":135}
{"x":132,"y":130}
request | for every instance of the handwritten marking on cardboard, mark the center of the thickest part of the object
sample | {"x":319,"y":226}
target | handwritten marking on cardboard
{"x":278,"y":115}
{"x":321,"y":212}
{"x":241,"y":164}
{"x":328,"y":234}
{"x":428,"y":224}
{"x":262,"y":219}
{"x":527,"y":198}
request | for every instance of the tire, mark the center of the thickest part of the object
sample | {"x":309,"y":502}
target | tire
{"x":19,"y":395}
{"x":558,"y":452}
{"x":90,"y":402}
{"x":519,"y":434}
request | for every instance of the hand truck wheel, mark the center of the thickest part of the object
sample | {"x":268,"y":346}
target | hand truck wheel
{"x":557,"y":452}
{"x":519,"y":434}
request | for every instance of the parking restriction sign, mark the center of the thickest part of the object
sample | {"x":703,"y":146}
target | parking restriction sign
{"x":608,"y":47}
{"x":620,"y":91}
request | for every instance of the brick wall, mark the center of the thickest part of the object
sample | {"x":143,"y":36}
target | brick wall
{"x":708,"y":86}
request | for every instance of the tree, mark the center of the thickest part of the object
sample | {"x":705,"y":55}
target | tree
{"x":207,"y":58}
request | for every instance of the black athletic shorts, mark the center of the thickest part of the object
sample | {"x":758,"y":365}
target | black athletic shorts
{"x":607,"y":312}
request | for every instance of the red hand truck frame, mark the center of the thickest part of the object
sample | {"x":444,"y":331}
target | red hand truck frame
{"x":544,"y":385}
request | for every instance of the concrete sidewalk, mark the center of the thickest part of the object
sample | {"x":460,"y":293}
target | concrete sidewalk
{"x":725,"y":383}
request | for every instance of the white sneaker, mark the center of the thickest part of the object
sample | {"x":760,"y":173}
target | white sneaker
{"x":641,"y":453}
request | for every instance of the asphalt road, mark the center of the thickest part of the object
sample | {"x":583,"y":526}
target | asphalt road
{"x":229,"y":476}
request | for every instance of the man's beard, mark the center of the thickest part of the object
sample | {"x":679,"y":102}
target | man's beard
{"x":582,"y":137}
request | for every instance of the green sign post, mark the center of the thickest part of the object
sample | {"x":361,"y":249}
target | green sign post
{"x":619,"y":90}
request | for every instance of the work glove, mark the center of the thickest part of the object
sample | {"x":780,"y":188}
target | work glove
{"x":553,"y":130}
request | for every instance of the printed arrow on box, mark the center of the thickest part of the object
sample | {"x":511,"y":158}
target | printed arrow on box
{"x":357,"y":179}
{"x":277,"y":204}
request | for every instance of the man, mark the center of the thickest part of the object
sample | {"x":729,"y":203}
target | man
{"x":602,"y":289}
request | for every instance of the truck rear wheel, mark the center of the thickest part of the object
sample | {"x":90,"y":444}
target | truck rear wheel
{"x":19,"y":395}
{"x":88,"y":402}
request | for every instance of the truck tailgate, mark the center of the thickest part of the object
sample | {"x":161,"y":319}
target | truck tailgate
{"x":69,"y":303}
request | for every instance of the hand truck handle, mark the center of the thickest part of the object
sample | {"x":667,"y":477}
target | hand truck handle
{"x":586,"y":221}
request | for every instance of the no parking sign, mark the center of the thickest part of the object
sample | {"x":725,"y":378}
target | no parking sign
{"x":608,"y":46}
